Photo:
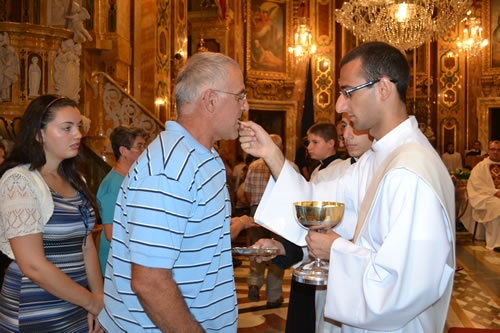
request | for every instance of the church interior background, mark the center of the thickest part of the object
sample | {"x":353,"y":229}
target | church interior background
{"x":119,"y":60}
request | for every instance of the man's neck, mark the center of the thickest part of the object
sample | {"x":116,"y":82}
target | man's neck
{"x":197,"y":128}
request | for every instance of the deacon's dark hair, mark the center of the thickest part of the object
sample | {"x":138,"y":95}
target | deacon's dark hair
{"x":380,"y":59}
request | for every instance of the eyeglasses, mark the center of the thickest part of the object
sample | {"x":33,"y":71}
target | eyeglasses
{"x":347,"y":93}
{"x":241,"y":97}
{"x":140,"y":147}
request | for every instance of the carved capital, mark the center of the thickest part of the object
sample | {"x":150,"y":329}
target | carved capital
{"x":487,"y":84}
{"x":269,"y":89}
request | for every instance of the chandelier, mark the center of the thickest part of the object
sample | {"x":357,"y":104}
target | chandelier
{"x":473,"y":40}
{"x":405,"y":24}
{"x":303,"y":45}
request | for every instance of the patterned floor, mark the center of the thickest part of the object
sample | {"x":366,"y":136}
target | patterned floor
{"x":475,"y":302}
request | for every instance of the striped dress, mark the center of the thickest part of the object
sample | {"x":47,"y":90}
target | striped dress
{"x":24,"y":306}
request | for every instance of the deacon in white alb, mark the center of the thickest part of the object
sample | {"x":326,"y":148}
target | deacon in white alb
{"x":397,"y":273}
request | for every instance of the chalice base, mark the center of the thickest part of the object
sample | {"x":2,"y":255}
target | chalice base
{"x":312,"y":272}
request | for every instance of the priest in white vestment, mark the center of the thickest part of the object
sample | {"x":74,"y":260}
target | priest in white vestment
{"x":397,"y":273}
{"x":483,"y":188}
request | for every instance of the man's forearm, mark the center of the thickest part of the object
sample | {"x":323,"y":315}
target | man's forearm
{"x":162,"y":301}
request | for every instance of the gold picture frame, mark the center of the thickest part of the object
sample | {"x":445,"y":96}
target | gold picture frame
{"x":491,"y":24}
{"x":268,"y":34}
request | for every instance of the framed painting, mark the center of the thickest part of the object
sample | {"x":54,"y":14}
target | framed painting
{"x":491,"y":24}
{"x":269,"y":32}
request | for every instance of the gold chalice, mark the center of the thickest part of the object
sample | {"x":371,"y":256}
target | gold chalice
{"x":319,"y":216}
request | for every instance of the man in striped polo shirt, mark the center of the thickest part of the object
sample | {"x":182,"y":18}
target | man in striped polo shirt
{"x":170,"y":266}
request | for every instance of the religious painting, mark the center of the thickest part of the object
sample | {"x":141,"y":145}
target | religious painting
{"x":491,"y":60}
{"x":268,"y":33}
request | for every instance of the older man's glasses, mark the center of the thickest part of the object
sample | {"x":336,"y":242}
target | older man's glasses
{"x":347,"y":93}
{"x":241,"y":97}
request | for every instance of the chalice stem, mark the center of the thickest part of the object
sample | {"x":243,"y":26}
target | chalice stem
{"x":317,"y":262}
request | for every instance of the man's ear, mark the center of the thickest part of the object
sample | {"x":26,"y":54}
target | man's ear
{"x":209,"y":100}
{"x":386,"y":88}
{"x":331,"y":143}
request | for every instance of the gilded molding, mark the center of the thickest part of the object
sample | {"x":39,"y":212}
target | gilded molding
{"x":490,"y":85}
{"x":274,"y":90}
{"x":483,"y":105}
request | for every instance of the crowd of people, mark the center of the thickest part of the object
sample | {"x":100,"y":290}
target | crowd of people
{"x":455,"y":162}
{"x":171,"y":208}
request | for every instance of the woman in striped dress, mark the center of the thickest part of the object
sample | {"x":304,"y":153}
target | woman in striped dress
{"x":54,"y":282}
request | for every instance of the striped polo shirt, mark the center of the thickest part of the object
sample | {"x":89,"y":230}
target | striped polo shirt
{"x":173,"y":212}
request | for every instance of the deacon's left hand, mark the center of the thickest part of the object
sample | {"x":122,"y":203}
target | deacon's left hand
{"x":319,"y":244}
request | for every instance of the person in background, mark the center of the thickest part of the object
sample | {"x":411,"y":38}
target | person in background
{"x":3,"y":153}
{"x":397,"y":268}
{"x":4,"y":260}
{"x":303,"y":161}
{"x":322,"y":141}
{"x":127,"y":144}
{"x":54,"y":282}
{"x":254,"y":186}
{"x":483,"y":188}
{"x":305,"y":312}
{"x":239,"y":172}
{"x":240,"y":223}
{"x":341,"y":148}
{"x":476,"y":150}
{"x":170,"y":266}
{"x":452,"y":159}
{"x":357,"y":143}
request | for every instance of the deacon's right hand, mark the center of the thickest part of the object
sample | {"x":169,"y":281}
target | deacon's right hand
{"x":255,"y":140}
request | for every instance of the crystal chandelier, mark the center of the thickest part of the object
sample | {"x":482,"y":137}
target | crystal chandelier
{"x":406,"y":24}
{"x":473,"y":40}
{"x":303,"y":45}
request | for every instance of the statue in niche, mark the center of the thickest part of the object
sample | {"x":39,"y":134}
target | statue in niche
{"x":76,"y":17}
{"x":34,"y":77}
{"x":67,"y":70}
{"x":9,"y":67}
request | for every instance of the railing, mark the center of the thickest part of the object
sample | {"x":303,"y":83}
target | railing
{"x":9,"y":127}
{"x":113,"y":107}
{"x":118,"y":108}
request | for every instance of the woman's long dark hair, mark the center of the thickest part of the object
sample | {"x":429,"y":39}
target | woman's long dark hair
{"x":28,"y":148}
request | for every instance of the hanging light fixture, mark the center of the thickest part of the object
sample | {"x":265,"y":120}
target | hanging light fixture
{"x":405,"y":24}
{"x":202,"y":47}
{"x":473,"y":40}
{"x":303,"y":45}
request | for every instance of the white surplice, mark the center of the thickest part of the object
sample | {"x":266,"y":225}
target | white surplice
{"x":380,"y":283}
{"x":335,"y":169}
{"x":485,"y":205}
{"x":328,"y":169}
